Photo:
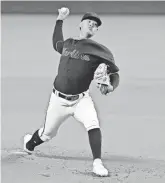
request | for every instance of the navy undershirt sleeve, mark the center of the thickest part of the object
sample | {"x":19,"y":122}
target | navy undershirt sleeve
{"x":58,"y":39}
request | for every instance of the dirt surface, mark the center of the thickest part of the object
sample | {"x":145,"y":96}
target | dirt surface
{"x":56,"y":165}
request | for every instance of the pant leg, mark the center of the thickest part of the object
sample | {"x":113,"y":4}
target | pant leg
{"x":86,"y":113}
{"x":57,"y":113}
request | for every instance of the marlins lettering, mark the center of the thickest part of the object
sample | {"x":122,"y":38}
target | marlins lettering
{"x":75,"y":54}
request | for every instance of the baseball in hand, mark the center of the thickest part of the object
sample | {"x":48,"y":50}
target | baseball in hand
{"x":64,"y":10}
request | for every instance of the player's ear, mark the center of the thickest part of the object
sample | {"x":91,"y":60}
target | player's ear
{"x":80,"y":25}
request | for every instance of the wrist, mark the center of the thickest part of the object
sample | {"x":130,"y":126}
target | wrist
{"x":58,"y":20}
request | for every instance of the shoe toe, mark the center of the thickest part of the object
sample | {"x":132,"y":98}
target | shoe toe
{"x":26,"y":139}
{"x":100,"y":171}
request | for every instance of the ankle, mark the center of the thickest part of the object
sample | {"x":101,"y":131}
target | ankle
{"x":34,"y":141}
{"x":97,"y":161}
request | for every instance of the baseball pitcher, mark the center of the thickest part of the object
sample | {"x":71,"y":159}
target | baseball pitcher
{"x":82,"y":60}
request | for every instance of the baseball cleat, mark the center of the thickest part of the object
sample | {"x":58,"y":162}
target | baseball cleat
{"x":26,"y":139}
{"x":99,"y":169}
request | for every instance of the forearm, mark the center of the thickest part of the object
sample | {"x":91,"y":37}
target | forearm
{"x":58,"y":36}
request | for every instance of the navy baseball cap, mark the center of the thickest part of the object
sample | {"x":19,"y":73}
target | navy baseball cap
{"x":92,"y":16}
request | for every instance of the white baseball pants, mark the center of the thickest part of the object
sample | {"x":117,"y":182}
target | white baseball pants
{"x":59,"y":109}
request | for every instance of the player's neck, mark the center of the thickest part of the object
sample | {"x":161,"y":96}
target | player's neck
{"x":83,"y":36}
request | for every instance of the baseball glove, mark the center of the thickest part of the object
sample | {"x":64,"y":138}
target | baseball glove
{"x":102,"y":79}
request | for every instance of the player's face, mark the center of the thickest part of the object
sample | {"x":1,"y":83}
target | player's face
{"x":89,"y":28}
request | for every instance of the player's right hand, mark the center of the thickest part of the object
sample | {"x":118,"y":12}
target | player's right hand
{"x":62,"y":15}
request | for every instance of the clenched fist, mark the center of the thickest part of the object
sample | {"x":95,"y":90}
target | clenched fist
{"x":63,"y":13}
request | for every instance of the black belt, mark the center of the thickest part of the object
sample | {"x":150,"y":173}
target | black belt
{"x":71,"y":98}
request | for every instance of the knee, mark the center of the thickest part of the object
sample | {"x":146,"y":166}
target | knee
{"x":94,"y":130}
{"x":91,"y":124}
{"x":95,"y":125}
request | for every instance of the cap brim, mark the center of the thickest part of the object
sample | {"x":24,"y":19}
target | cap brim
{"x":93,"y":18}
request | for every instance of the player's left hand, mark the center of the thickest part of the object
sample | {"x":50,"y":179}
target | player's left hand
{"x":102,"y":79}
{"x":105,"y":89}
